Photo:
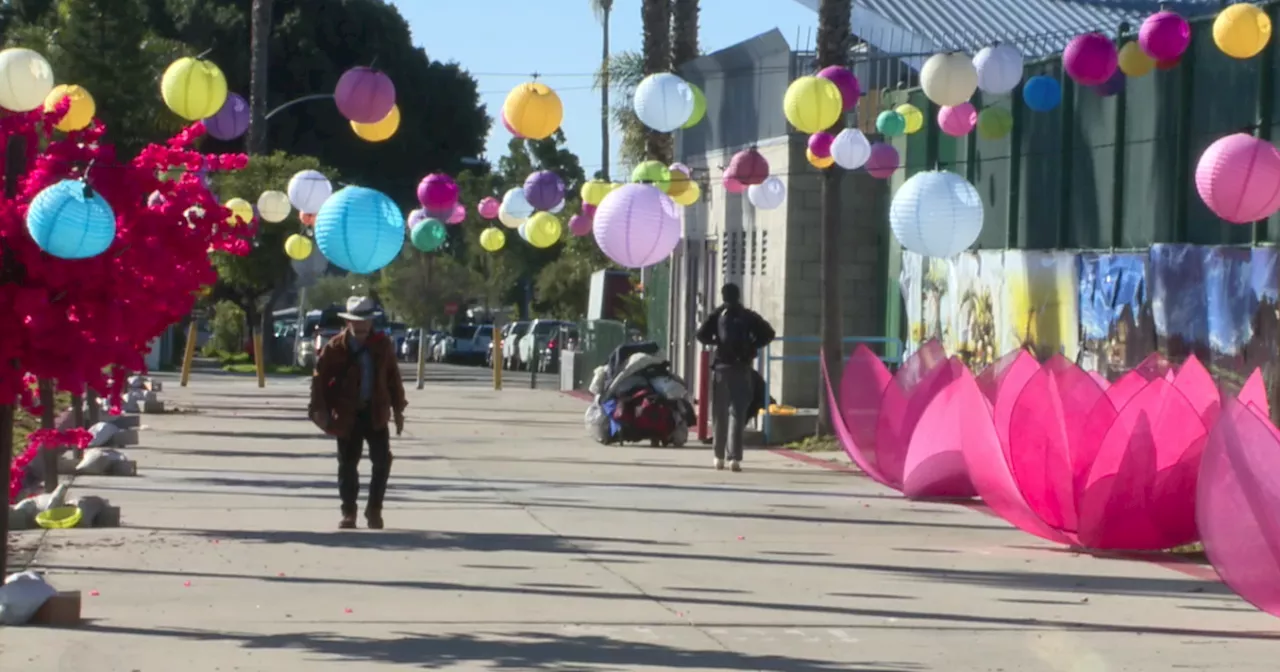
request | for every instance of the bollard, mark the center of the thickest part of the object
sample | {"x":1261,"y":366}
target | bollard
{"x":704,"y":394}
{"x":497,"y":364}
{"x":190,"y":354}
{"x":259,"y":359}
{"x":422,"y":358}
{"x":533,"y":363}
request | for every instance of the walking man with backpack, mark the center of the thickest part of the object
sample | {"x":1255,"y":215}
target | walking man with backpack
{"x":737,"y":333}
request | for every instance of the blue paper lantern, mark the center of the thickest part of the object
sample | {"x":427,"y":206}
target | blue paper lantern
{"x":1042,"y":93}
{"x":359,"y":230}
{"x":70,"y":221}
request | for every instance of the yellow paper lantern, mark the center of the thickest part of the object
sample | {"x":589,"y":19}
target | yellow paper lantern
{"x":1134,"y":62}
{"x":533,"y":110}
{"x":544,"y":230}
{"x":912,"y":115}
{"x":274,"y":206}
{"x":193,"y":89}
{"x":80,"y":114}
{"x":812,"y":104}
{"x":1241,"y":30}
{"x":381,"y":130}
{"x":594,"y":191}
{"x":492,"y":239}
{"x":678,"y":185}
{"x":297,"y":247}
{"x":689,"y":196}
{"x":240,"y":210}
{"x":817,"y":162}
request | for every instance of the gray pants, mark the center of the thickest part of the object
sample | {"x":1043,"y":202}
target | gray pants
{"x":729,"y":402}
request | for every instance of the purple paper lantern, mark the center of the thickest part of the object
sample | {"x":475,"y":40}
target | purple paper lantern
{"x":748,"y":167}
{"x":438,"y":192}
{"x":365,"y":95}
{"x":883,"y":162}
{"x":580,"y":224}
{"x":458,"y":216}
{"x":1090,"y":59}
{"x":1112,"y":86}
{"x":637,"y":225}
{"x":956,"y":120}
{"x":846,"y":81}
{"x":231,"y":121}
{"x":488,"y":207}
{"x":1164,"y":36}
{"x":544,"y":190}
{"x":820,"y":144}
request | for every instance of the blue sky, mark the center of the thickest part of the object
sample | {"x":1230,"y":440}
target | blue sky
{"x":502,"y":42}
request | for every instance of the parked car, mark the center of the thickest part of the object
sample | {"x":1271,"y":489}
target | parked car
{"x":510,"y":344}
{"x":532,"y":343}
{"x":566,"y":337}
{"x":468,"y":343}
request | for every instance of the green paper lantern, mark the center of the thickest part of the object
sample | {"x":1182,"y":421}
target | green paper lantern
{"x":890,"y":123}
{"x":428,"y":235}
{"x":653,"y":172}
{"x":699,"y":106}
{"x":994,"y":123}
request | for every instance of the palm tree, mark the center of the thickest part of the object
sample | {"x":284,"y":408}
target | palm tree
{"x":834,"y":35}
{"x":684,"y":31}
{"x":259,"y":45}
{"x":623,"y":73}
{"x":655,"y":16}
{"x":603,"y":8}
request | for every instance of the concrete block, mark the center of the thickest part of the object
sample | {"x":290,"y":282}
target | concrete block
{"x":124,"y":438}
{"x":60,"y":611}
{"x":123,"y":468}
{"x":125,"y":421}
{"x":109,"y":517}
{"x":151,"y":407}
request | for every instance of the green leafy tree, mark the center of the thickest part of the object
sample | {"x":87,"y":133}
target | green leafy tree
{"x":623,"y":74}
{"x":417,"y":288}
{"x":332,"y":290}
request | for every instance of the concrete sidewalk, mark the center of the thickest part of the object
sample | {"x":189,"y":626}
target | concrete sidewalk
{"x":516,"y":543}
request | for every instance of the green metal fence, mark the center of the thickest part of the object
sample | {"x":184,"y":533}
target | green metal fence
{"x":657,"y":300}
{"x":597,"y":340}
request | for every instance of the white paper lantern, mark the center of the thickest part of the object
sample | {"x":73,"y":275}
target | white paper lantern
{"x":523,"y":230}
{"x":949,"y":79}
{"x":509,"y":220}
{"x":999,"y":68}
{"x":558,"y":209}
{"x":768,"y":195}
{"x":26,"y":79}
{"x":308,"y":190}
{"x":936,"y":214}
{"x":851,"y":149}
{"x":663,"y":102}
{"x":516,"y":205}
{"x":273,"y":206}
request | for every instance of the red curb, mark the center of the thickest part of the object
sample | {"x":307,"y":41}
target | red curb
{"x":578,"y":394}
{"x":1170,"y":563}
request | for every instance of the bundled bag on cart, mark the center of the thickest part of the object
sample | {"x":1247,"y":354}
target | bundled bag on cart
{"x":638,"y":398}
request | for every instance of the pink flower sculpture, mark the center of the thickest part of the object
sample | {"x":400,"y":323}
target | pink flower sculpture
{"x":1077,"y":461}
{"x":900,"y":429}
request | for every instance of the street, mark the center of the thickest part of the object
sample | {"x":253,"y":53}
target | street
{"x":476,"y":376}
{"x":516,"y":543}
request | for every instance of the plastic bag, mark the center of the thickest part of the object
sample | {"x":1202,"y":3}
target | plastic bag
{"x":598,"y":380}
{"x":102,"y":433}
{"x":21,"y":597}
{"x":597,"y":423}
{"x":98,"y":461}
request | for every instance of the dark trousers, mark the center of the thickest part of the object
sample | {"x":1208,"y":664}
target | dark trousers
{"x":730,"y":399}
{"x":350,"y":450}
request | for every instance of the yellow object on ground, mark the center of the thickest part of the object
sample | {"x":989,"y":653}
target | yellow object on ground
{"x":59,"y":518}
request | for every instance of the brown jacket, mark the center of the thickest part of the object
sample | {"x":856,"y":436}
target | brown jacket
{"x":336,"y":383}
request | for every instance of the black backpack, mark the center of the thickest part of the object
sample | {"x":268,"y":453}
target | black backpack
{"x":735,"y":338}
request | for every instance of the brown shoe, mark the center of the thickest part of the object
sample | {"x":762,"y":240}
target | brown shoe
{"x":373,"y":519}
{"x":348,"y":522}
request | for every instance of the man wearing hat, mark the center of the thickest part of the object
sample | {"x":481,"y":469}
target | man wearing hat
{"x":356,"y":393}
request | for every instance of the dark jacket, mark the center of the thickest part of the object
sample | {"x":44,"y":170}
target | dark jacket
{"x":336,"y":384}
{"x":762,"y":333}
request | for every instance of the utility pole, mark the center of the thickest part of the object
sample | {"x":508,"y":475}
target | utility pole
{"x":260,"y":53}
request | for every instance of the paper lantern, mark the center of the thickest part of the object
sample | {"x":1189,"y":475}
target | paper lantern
{"x":1134,"y":62}
{"x":748,"y":167}
{"x":994,"y":123}
{"x":589,"y":210}
{"x":193,"y":89}
{"x":699,"y":106}
{"x":69,"y":220}
{"x":1164,"y":36}
{"x":883,"y":160}
{"x":365,"y":95}
{"x":1240,"y":31}
{"x":438,"y":192}
{"x":999,"y":68}
{"x":637,"y":226}
{"x":912,"y":116}
{"x":241,"y":211}
{"x":509,"y":220}
{"x":652,"y":172}
{"x":594,"y":191}
{"x":733,"y":186}
{"x":415,"y":216}
{"x":308,"y":190}
{"x":458,"y":216}
{"x":1238,"y":177}
{"x":821,"y":163}
{"x":1090,"y":59}
{"x":80,"y":113}
{"x":812,"y":104}
{"x":679,"y":183}
{"x":663,"y":102}
{"x":298,"y":248}
{"x":517,"y":204}
{"x":1112,"y":86}
{"x":307,"y":218}
{"x":488,"y":207}
{"x":1167,"y":65}
{"x":850,"y":150}
{"x":1042,"y":93}
{"x":523,"y":231}
{"x":891,"y":124}
{"x":380,"y":130}
{"x":26,"y":79}
{"x":936,"y":214}
{"x":231,"y":120}
{"x":543,"y":189}
{"x":768,"y":195}
{"x":533,"y":110}
{"x":580,"y":224}
{"x":689,"y":196}
{"x":948,"y":79}
{"x":846,"y":82}
{"x":428,"y":235}
{"x":273,"y":206}
{"x":820,"y":144}
{"x":958,"y":120}
{"x":359,"y":229}
{"x":492,"y":239}
{"x":507,"y":125}
{"x":543,"y":230}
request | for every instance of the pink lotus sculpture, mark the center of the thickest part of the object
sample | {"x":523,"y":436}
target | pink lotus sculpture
{"x":899,"y":429}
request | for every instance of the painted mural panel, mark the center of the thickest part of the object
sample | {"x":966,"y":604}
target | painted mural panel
{"x":1117,"y":330}
{"x":976,"y":283}
{"x":1040,"y":303}
{"x":910,"y":280}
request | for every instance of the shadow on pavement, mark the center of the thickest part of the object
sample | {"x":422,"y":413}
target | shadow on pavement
{"x":419,"y":540}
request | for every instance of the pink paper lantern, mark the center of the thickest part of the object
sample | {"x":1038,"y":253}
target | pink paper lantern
{"x":488,"y":207}
{"x":438,"y":193}
{"x":748,"y":167}
{"x":957,"y":120}
{"x":1164,"y":36}
{"x":589,"y":210}
{"x":820,"y":144}
{"x":580,"y":224}
{"x":883,"y":162}
{"x":506,"y":124}
{"x":637,"y":225}
{"x":365,"y":95}
{"x":1090,"y":59}
{"x":1238,"y":177}
{"x":458,"y":215}
{"x":732,"y":186}
{"x":846,"y":82}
